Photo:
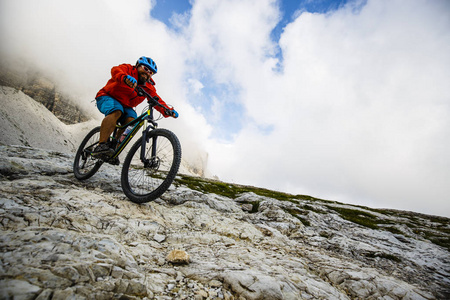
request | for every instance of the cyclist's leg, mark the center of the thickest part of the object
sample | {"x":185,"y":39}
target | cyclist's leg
{"x":108,"y":125}
{"x":128,"y":115}
{"x":113,"y":111}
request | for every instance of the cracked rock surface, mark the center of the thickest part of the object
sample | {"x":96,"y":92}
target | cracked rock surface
{"x":66,"y":239}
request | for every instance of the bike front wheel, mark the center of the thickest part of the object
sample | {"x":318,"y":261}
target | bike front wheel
{"x":84,"y":165}
{"x":146,"y":179}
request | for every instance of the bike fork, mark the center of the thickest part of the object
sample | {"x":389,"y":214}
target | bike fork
{"x":144,"y":144}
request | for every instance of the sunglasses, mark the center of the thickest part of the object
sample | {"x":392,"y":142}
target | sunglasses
{"x":146,"y":69}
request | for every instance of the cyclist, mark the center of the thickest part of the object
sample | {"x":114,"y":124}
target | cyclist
{"x":117,"y":99}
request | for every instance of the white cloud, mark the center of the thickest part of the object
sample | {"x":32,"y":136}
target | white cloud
{"x":196,"y":85}
{"x":359,"y":111}
{"x":230,"y":37}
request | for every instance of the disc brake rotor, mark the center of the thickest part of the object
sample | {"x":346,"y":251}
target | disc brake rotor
{"x":153,"y":163}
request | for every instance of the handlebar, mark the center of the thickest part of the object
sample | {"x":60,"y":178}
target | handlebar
{"x":140,"y":91}
{"x":153,"y":101}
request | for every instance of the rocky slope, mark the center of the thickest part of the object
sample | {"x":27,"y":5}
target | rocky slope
{"x":24,"y":121}
{"x":66,"y":239}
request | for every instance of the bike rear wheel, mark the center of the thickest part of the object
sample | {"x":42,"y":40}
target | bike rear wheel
{"x":144,"y":181}
{"x":84,"y":165}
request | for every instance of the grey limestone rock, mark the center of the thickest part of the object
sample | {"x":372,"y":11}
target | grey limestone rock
{"x":65,"y":239}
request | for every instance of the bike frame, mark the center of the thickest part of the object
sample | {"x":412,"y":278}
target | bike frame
{"x":142,"y":120}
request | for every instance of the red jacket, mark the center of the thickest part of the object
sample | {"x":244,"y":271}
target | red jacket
{"x":116,"y":88}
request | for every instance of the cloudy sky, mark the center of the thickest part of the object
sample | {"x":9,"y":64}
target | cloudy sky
{"x":341,"y":100}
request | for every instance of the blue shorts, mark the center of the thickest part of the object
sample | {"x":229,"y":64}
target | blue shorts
{"x":107,"y":105}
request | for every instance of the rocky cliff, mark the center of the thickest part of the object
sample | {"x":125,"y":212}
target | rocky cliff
{"x":66,"y":239}
{"x":44,"y":90}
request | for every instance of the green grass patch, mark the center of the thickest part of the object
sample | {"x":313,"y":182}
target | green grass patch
{"x":440,"y":241}
{"x":436,"y":237}
{"x":234,"y":190}
{"x":209,"y":186}
{"x":297,"y":213}
{"x":310,"y":208}
{"x":357,"y":216}
{"x":303,"y":220}
{"x":393,"y":230}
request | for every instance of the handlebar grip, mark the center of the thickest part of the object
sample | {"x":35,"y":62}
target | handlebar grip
{"x":171,"y":112}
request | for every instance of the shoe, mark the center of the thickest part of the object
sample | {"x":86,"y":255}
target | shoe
{"x":114,"y":161}
{"x":103,"y":150}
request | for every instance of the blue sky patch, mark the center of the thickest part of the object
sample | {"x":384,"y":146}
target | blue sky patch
{"x":218,"y":102}
{"x":164,"y":9}
{"x":220,"y":105}
{"x":289,"y":8}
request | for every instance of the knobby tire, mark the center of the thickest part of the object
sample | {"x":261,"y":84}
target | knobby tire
{"x":85,"y":165}
{"x":146,"y":181}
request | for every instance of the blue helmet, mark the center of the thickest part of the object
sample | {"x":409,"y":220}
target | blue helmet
{"x":148,"y":62}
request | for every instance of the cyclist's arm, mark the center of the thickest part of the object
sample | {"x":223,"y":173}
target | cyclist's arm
{"x":153,"y":93}
{"x":118,"y":73}
{"x":162,"y":110}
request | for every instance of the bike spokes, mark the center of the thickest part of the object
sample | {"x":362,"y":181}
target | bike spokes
{"x":146,"y":178}
{"x":85,"y":165}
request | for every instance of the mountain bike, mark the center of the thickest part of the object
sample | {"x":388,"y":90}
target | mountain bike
{"x":151,"y":164}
